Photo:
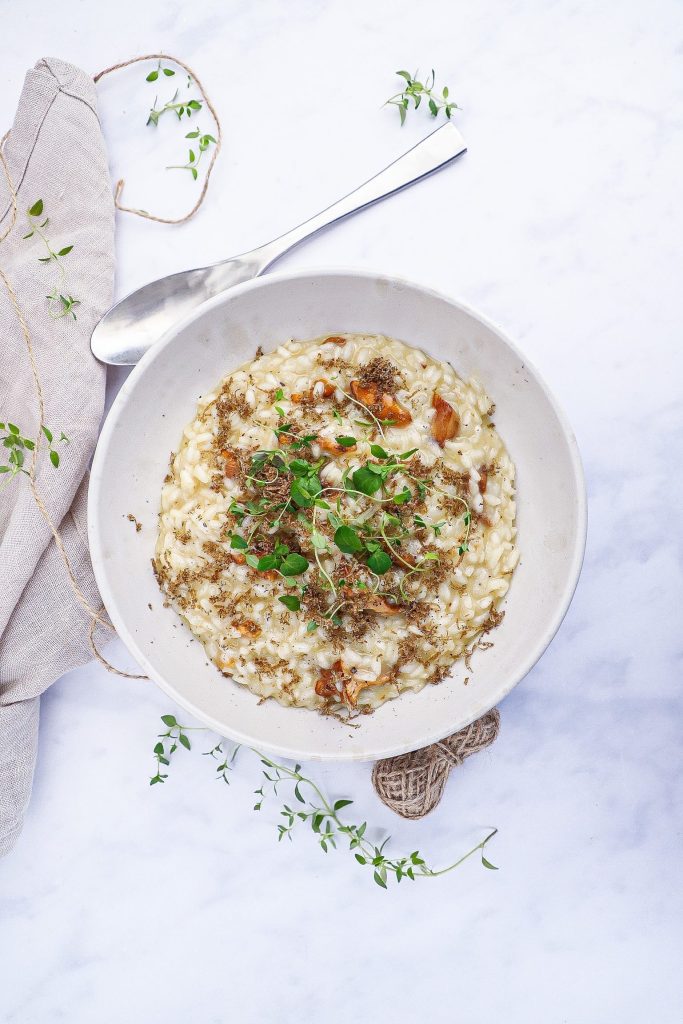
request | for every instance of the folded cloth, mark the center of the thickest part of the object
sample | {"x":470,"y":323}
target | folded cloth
{"x":55,"y":153}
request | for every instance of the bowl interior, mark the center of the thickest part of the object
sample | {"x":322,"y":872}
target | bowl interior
{"x":159,"y":398}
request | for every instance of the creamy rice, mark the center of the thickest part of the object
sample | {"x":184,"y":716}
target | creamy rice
{"x":346,"y":638}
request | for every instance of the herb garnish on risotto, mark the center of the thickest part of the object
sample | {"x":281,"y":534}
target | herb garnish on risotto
{"x":338,"y":524}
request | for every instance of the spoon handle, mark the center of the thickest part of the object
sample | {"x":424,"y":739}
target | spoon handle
{"x":434,"y":152}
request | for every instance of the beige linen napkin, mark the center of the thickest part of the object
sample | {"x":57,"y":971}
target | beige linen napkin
{"x":55,"y":152}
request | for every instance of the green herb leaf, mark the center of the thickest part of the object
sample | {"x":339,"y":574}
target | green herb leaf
{"x":291,"y":602}
{"x":169,"y":720}
{"x":267,"y":562}
{"x":378,"y":451}
{"x":346,"y":441}
{"x":36,"y":209}
{"x":299,"y":494}
{"x":366,"y":481}
{"x":379,"y":562}
{"x":347,"y":540}
{"x":294,"y":564}
{"x":238,"y":542}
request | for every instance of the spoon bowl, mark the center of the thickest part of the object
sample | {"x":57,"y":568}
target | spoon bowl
{"x":136,"y":322}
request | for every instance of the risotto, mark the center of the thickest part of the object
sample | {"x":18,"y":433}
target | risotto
{"x":338,"y":524}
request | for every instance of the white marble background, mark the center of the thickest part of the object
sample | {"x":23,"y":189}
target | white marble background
{"x":563,"y":223}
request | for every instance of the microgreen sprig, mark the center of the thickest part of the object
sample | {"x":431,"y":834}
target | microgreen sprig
{"x":422,"y":525}
{"x":314,"y":809}
{"x":417,"y":91}
{"x":375,"y":542}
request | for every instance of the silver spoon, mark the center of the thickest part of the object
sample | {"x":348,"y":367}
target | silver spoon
{"x":132,"y":326}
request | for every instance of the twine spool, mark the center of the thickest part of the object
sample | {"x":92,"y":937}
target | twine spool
{"x":412,"y":784}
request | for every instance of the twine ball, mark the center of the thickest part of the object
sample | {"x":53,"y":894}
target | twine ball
{"x":412,"y":784}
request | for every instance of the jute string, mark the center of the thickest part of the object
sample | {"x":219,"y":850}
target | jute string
{"x":120,"y":183}
{"x":97,"y":616}
{"x":413,"y":784}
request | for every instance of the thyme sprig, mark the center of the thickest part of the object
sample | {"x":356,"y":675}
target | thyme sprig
{"x":60,"y":303}
{"x":179,"y":107}
{"x":203,"y":142}
{"x":225,"y":761}
{"x":314,"y":809}
{"x":16,"y":445}
{"x":164,"y":750}
{"x":416,"y":91}
{"x":159,"y":70}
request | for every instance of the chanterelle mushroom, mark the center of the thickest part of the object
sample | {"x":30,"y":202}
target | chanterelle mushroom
{"x":231,"y":465}
{"x":391,"y":409}
{"x":247,"y":627}
{"x":336,"y":683}
{"x":370,"y":602}
{"x":382,"y":405}
{"x":446,"y":422}
{"x":326,"y":685}
{"x":320,"y":388}
{"x":330,"y":446}
{"x":376,"y":603}
{"x":353,"y":687}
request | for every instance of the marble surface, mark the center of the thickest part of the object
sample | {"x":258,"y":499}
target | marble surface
{"x":564,"y":224}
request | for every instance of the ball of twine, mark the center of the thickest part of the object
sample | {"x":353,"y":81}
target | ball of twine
{"x":412,"y":784}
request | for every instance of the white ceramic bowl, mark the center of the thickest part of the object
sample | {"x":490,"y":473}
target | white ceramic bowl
{"x":159,"y":398}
